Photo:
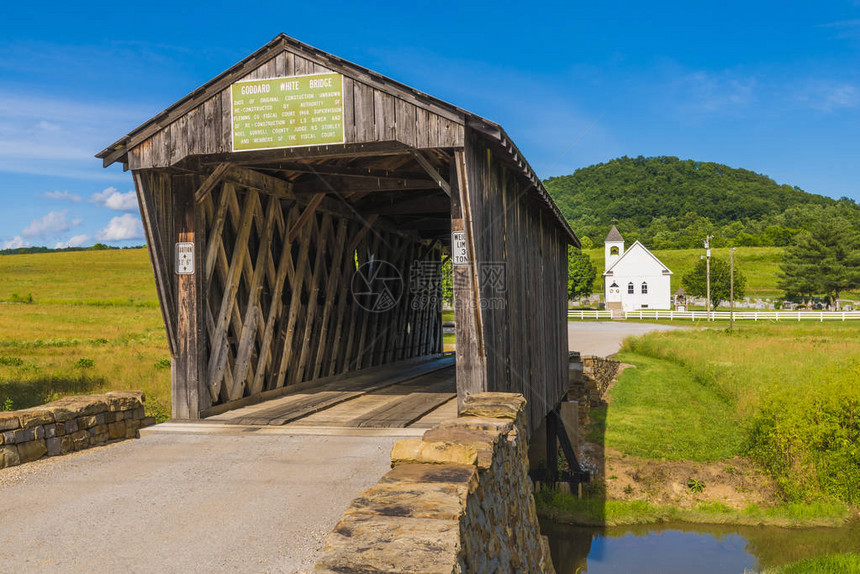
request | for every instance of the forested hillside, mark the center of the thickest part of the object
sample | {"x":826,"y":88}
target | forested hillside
{"x":668,"y":203}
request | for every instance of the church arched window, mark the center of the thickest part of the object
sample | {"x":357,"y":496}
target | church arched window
{"x":644,"y":288}
{"x":630,"y":288}
{"x":613,"y":250}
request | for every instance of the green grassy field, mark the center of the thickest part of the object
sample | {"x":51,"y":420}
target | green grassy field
{"x":785,"y":395}
{"x":832,"y":564}
{"x":93,"y":325}
{"x":760,"y":265}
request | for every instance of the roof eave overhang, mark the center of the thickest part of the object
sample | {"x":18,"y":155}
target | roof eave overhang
{"x":118,"y":151}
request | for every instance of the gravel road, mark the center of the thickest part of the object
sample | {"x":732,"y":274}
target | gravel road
{"x":185,"y":503}
{"x":604,"y":338}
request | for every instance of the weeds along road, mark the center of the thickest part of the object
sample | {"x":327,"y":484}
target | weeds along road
{"x":604,"y":338}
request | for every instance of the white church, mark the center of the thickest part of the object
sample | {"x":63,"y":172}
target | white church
{"x":634,"y":278}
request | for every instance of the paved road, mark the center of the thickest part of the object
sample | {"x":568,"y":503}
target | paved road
{"x":185,"y":503}
{"x":604,"y":338}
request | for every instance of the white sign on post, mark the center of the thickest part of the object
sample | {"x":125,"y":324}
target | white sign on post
{"x":459,"y":253}
{"x":185,"y":258}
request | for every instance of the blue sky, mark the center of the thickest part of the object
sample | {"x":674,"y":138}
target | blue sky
{"x":768,"y":86}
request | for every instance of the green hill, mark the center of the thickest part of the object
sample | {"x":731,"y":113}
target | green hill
{"x":669,"y":203}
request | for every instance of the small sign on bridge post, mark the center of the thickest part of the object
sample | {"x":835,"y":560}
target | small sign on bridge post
{"x":185,"y":258}
{"x":459,"y":252}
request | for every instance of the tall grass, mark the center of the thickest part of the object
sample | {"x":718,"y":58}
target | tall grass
{"x":93,"y":325}
{"x":797,"y":386}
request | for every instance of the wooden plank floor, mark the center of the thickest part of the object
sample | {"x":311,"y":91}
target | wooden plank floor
{"x":394,"y":397}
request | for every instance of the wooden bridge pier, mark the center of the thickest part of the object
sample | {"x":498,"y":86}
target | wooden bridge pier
{"x":297,"y":210}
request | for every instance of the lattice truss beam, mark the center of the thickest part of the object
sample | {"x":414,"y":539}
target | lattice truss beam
{"x":278,"y":304}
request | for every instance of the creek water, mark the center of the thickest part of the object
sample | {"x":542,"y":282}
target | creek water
{"x":689,"y":548}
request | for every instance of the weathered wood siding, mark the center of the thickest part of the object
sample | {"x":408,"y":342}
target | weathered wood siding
{"x":370,"y":115}
{"x":521,"y":267}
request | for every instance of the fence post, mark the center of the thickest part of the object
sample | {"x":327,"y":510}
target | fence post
{"x":822,"y":316}
{"x":755,"y":315}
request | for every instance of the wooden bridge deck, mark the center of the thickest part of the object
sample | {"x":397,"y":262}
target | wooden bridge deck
{"x":393,"y":396}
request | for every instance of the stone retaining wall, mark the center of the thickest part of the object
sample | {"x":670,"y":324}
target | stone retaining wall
{"x":70,"y":424}
{"x":457,"y":500}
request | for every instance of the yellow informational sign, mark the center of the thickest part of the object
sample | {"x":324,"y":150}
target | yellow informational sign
{"x":287,"y":112}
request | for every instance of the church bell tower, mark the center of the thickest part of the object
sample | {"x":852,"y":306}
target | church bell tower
{"x":613,"y":247}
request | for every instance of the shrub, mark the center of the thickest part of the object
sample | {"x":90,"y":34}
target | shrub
{"x":695,"y":485}
{"x":85,"y":363}
{"x":16,"y":298}
{"x":809,"y":440}
{"x":11,"y":361}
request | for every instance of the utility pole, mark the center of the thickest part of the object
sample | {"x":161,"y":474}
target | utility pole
{"x":732,"y":289}
{"x":708,"y":276}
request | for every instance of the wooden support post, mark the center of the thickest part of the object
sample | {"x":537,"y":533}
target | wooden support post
{"x":188,"y":387}
{"x":551,"y":447}
{"x":471,"y":359}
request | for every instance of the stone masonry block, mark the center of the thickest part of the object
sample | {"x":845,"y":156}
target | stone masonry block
{"x":439,"y":452}
{"x":116,"y":430}
{"x":9,"y":421}
{"x":9,"y":456}
{"x":24,"y":435}
{"x":54,"y":446}
{"x":34,"y":417}
{"x":495,"y":405}
{"x":500,"y":426}
{"x":124,"y":400}
{"x":32,"y":450}
{"x":442,"y":501}
{"x":454,"y":473}
{"x":392,"y":544}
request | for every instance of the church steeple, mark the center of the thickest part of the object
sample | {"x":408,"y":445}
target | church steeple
{"x":613,"y":247}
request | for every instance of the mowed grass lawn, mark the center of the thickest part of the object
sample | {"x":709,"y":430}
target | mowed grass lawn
{"x":785,"y":394}
{"x":93,"y":325}
{"x":657,"y":413}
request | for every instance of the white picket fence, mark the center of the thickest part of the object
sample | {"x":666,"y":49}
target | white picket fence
{"x":721,"y":315}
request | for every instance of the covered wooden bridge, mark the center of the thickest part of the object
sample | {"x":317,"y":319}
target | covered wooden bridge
{"x":298,"y":208}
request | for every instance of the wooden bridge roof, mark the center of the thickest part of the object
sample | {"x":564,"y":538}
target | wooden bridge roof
{"x":491,"y":131}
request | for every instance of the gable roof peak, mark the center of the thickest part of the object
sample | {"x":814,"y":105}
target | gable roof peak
{"x":613,"y":235}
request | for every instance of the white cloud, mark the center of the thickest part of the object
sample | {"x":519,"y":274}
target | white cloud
{"x":124,"y":226}
{"x":63,"y":196}
{"x":831,"y":96}
{"x":716,"y":93}
{"x":47,"y":135}
{"x":15,"y":243}
{"x":113,"y":199}
{"x":53,"y":222}
{"x":75,"y":241}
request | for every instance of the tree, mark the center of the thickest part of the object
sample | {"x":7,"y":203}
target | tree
{"x":695,"y":282}
{"x":580,"y":273}
{"x":825,"y":259}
